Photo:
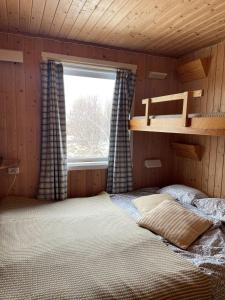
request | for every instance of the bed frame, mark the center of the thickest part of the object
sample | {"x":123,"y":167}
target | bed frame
{"x":203,"y":125}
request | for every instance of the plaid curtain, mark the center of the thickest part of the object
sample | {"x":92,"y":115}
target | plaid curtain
{"x":53,"y":171}
{"x":119,"y":166}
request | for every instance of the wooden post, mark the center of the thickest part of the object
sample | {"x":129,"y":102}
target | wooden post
{"x":146,"y":102}
{"x":184,"y":119}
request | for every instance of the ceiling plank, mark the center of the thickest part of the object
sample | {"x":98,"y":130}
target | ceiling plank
{"x":60,"y":15}
{"x":71,"y":17}
{"x":101,"y":8}
{"x":101,"y":25}
{"x":48,"y":16}
{"x":3,"y":15}
{"x":25,"y":14}
{"x":36,"y":15}
{"x":89,"y":7}
{"x":117,"y":18}
{"x":13,"y":14}
{"x":128,"y":30}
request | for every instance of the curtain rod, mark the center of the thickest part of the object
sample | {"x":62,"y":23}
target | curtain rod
{"x":67,"y":59}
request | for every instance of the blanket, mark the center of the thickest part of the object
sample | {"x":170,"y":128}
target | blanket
{"x":89,"y":249}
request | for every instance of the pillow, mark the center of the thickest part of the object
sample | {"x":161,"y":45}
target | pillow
{"x":183,"y":193}
{"x":175,"y":223}
{"x":147,"y":203}
{"x":212,"y":206}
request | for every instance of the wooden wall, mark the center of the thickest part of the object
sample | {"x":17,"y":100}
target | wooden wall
{"x":154,"y":145}
{"x":20,"y":108}
{"x":209,"y":174}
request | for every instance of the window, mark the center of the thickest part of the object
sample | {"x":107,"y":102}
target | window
{"x":88,"y":96}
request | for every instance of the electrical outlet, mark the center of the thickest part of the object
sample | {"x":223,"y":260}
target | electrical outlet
{"x":13,"y":171}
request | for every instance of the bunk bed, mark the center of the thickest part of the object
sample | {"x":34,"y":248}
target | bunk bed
{"x":212,"y":124}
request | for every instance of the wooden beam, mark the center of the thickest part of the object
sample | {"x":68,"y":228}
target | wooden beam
{"x":166,"y":98}
{"x":11,"y":55}
{"x":175,"y":97}
{"x":87,"y":61}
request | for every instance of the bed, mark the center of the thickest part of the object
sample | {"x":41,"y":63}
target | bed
{"x":199,"y":123}
{"x":207,"y":253}
{"x":92,"y":248}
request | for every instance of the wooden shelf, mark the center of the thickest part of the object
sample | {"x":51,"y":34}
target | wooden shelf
{"x":188,"y":151}
{"x":137,"y":126}
{"x":8,"y":163}
{"x":11,"y":55}
{"x":193,"y":70}
{"x":171,"y":126}
{"x":183,"y":123}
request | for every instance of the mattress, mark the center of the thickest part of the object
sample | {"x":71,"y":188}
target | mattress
{"x":207,"y":252}
{"x":191,"y":116}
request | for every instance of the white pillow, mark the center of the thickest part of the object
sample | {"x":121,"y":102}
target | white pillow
{"x":212,"y":206}
{"x":182,"y":193}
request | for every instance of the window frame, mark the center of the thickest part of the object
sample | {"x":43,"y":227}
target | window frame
{"x":93,"y":72}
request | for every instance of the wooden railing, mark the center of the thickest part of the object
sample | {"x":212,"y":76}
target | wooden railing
{"x":185,"y":97}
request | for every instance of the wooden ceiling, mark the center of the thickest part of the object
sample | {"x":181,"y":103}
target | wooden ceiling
{"x":170,"y":27}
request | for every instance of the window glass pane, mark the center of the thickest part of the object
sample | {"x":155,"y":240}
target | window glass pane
{"x":88,"y":113}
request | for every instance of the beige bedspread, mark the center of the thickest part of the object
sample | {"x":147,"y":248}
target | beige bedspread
{"x":88,"y":249}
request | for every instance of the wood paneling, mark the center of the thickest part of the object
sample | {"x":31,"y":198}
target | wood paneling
{"x":209,"y":173}
{"x":87,"y":182}
{"x":148,"y":145}
{"x":157,"y":26}
{"x":20,"y":108}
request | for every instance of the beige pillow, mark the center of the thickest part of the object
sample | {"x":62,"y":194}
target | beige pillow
{"x":146,"y":203}
{"x":175,"y":223}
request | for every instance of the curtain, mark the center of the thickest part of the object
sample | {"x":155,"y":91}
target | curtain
{"x":53,"y":168}
{"x":119,"y":167}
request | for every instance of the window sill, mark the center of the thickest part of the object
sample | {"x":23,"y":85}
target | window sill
{"x":87,"y":165}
